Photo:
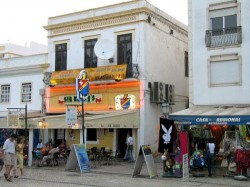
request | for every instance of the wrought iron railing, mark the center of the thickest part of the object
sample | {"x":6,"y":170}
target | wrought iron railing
{"x":224,"y":37}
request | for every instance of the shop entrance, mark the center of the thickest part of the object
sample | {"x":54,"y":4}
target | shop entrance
{"x":121,"y":141}
{"x":59,"y":134}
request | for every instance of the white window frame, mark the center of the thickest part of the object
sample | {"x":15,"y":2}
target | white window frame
{"x":26,"y":97}
{"x":5,"y":93}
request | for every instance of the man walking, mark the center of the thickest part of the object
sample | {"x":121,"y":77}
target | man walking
{"x":130,"y":144}
{"x":9,"y":155}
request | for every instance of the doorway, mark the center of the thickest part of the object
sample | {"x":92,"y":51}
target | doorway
{"x":59,"y":134}
{"x":121,"y":141}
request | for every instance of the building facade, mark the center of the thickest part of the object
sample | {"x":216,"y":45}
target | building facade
{"x":219,"y":78}
{"x":125,"y":48}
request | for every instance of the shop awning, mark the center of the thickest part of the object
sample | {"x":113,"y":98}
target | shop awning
{"x":212,"y":116}
{"x":120,"y":119}
{"x":96,"y":119}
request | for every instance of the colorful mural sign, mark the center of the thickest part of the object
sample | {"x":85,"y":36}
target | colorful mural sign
{"x":124,"y":101}
{"x":82,"y":86}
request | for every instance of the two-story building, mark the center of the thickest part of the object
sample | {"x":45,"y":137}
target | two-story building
{"x":124,"y":48}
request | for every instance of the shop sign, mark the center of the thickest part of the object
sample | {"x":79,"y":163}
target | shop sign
{"x":13,"y":119}
{"x":211,"y":120}
{"x":117,"y":72}
{"x":71,"y":116}
{"x":91,"y":98}
{"x":124,"y":101}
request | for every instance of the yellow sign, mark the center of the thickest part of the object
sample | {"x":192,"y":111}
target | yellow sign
{"x":107,"y":72}
{"x":117,"y":72}
{"x":64,"y":77}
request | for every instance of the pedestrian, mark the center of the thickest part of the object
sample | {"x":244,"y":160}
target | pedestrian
{"x":9,"y":155}
{"x":1,"y":157}
{"x":130,"y":145}
{"x":20,"y":146}
{"x":210,"y":157}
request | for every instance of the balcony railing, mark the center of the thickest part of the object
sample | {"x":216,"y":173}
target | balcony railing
{"x":224,"y":37}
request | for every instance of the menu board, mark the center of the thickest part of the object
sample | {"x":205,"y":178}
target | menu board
{"x":145,"y":154}
{"x":78,"y":158}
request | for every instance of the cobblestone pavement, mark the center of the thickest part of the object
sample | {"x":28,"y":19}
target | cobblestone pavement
{"x":119,"y":174}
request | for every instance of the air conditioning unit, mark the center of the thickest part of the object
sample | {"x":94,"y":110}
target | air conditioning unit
{"x":157,"y":92}
{"x":170,"y":94}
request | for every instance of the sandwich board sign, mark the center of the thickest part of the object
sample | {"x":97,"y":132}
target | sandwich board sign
{"x":145,"y":154}
{"x":78,"y":159}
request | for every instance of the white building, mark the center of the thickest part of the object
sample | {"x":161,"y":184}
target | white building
{"x":21,"y":84}
{"x":9,"y":50}
{"x":219,"y":83}
{"x":155,"y":51}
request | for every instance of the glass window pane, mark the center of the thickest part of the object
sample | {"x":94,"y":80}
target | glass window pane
{"x":231,"y":21}
{"x":217,"y":23}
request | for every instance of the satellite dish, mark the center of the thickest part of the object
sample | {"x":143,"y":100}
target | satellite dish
{"x":104,"y":49}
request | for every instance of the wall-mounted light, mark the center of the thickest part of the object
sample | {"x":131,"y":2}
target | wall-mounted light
{"x":165,"y":107}
{"x":42,"y":124}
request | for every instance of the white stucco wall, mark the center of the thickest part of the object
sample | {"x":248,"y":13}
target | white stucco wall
{"x":16,"y":71}
{"x":203,"y":93}
{"x":163,"y":61}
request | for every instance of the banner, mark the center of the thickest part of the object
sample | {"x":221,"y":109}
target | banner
{"x":166,"y":135}
{"x":211,"y":120}
{"x":117,"y":72}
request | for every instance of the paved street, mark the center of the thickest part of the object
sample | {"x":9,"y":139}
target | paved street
{"x":112,"y":175}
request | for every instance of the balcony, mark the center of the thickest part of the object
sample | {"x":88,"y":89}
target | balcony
{"x":223,"y":37}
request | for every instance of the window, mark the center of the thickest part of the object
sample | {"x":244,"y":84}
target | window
{"x":225,"y":70}
{"x":5,"y":93}
{"x":124,"y":52}
{"x":186,"y":64}
{"x":228,"y":23}
{"x":61,"y":57}
{"x":224,"y":24}
{"x":90,"y":59}
{"x":91,"y":135}
{"x":26,"y":92}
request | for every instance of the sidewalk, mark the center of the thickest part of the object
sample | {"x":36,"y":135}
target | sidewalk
{"x":125,"y":168}
{"x":113,"y":175}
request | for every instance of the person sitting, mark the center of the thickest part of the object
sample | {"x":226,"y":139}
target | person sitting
{"x":62,"y":147}
{"x":50,"y":155}
{"x":39,"y":145}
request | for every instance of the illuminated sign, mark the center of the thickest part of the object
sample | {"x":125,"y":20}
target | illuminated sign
{"x":91,"y":98}
{"x":124,"y":101}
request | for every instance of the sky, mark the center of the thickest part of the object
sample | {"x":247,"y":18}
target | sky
{"x":23,"y":20}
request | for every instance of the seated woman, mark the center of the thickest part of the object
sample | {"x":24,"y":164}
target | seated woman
{"x":46,"y":158}
{"x":62,"y":147}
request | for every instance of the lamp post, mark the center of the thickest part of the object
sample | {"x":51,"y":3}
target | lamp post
{"x":165,"y":109}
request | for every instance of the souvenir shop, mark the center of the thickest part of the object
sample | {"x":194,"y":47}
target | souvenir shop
{"x":230,"y":133}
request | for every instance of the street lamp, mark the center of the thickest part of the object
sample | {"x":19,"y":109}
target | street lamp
{"x":165,"y":107}
{"x":42,"y":124}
